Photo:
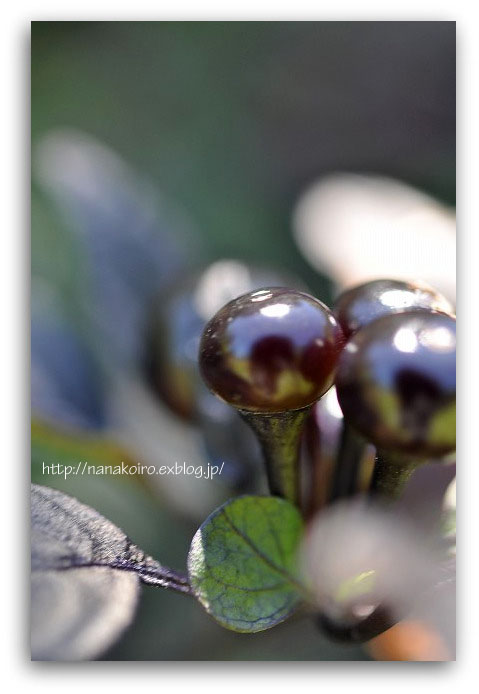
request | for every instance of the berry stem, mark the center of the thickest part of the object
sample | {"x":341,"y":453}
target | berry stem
{"x":279,"y":435}
{"x":360,"y":631}
{"x":391,"y":474}
{"x":348,"y":460}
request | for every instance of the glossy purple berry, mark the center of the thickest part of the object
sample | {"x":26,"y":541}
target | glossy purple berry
{"x":271,"y":354}
{"x":363,"y":304}
{"x":271,"y":350}
{"x":396,"y":383}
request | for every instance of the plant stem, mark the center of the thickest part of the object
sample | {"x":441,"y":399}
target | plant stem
{"x":348,"y":460}
{"x":153,"y":573}
{"x":279,"y":434}
{"x":363,"y":630}
{"x":391,"y":475}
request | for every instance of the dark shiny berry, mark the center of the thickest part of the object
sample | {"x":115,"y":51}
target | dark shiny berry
{"x":359,"y":306}
{"x":396,"y":383}
{"x":271,"y":350}
{"x":178,"y":318}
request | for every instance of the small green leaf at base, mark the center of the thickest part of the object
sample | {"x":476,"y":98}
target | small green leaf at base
{"x":242,"y":562}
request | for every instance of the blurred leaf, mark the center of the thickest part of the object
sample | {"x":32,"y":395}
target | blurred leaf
{"x":242,"y":563}
{"x":130,"y":501}
{"x":67,"y":386}
{"x":133,"y":241}
{"x":52,"y":445}
{"x":77,"y":614}
{"x":57,"y":260}
{"x":160,"y":438}
{"x":85,"y":578}
{"x":126,"y":499}
{"x":67,"y":534}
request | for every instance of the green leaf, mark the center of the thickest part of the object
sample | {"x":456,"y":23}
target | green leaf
{"x":242,"y":562}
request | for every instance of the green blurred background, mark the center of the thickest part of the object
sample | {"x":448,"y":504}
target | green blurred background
{"x":232,"y":120}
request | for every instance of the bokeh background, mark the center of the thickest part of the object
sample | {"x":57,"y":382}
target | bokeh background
{"x":227,"y":124}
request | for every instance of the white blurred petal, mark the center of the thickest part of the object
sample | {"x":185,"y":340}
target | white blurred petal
{"x":357,"y":557}
{"x":357,"y":228}
{"x":450,"y":497}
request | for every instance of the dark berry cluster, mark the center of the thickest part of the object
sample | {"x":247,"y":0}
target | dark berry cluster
{"x":389,"y":347}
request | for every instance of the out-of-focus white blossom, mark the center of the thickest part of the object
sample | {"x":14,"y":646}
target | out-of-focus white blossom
{"x":357,"y":557}
{"x":356,"y":228}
